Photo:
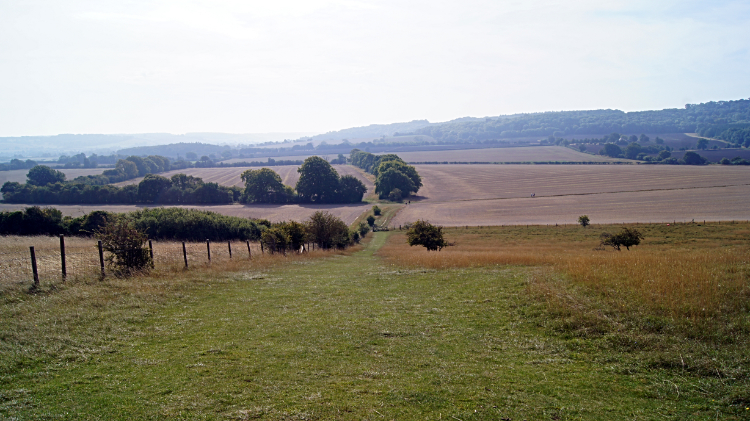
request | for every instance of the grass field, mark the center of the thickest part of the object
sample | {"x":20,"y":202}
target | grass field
{"x":518,"y":154}
{"x":475,"y":332}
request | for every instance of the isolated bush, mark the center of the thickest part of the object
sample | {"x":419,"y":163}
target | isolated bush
{"x":327,"y":231}
{"x":371,"y":220}
{"x":422,"y":233}
{"x":126,"y":247}
{"x":376,"y":210}
{"x":584,"y":220}
{"x":626,"y":237}
{"x":363,"y":229}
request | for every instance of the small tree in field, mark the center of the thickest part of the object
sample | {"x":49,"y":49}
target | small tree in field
{"x":584,"y":220}
{"x":423,"y":233}
{"x":627,"y":237}
{"x":126,"y":247}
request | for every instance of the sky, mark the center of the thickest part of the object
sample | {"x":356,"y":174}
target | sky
{"x":79,"y":66}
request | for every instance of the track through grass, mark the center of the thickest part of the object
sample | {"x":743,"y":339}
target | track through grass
{"x":346,"y":337}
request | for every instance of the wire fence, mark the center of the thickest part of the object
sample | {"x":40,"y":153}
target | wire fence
{"x":82,"y":258}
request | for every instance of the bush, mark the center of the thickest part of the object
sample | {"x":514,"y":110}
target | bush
{"x":371,"y":220}
{"x":327,"y":231}
{"x":376,"y":210}
{"x":627,"y":237}
{"x":584,"y":220}
{"x":423,"y":233}
{"x":126,"y":247}
{"x":275,"y":240}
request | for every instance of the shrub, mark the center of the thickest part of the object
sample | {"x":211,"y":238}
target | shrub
{"x":376,"y":210}
{"x":584,"y":220}
{"x":327,"y":231}
{"x":126,"y":247}
{"x":627,"y":237}
{"x":275,"y":240}
{"x":371,"y":220}
{"x":423,"y":233}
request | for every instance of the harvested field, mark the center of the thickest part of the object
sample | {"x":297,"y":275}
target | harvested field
{"x":19,"y":176}
{"x":518,"y":154}
{"x":274,"y":213}
{"x":231,"y":176}
{"x":455,"y":195}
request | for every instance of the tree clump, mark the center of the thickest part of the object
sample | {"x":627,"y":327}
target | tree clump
{"x":627,"y":238}
{"x":423,"y":233}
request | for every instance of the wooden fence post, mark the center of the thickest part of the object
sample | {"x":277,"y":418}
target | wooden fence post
{"x":151,"y":252}
{"x":33,"y":267}
{"x":62,"y":258}
{"x":229,"y":244}
{"x":261,"y":248}
{"x":249,"y":253}
{"x":184,"y":254}
{"x":101,"y":257}
{"x":208,"y":247}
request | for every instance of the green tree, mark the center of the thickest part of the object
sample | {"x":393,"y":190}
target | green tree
{"x":584,"y":220}
{"x":191,"y":156}
{"x":422,"y":233}
{"x":401,"y":166}
{"x":632,"y":151}
{"x":692,"y":158}
{"x":151,"y":188}
{"x":664,"y":154}
{"x":376,"y":210}
{"x":626,"y":237}
{"x":643,"y":138}
{"x":318,"y":181}
{"x":702,"y":144}
{"x":296,"y":233}
{"x":327,"y":231}
{"x":371,"y":220}
{"x":264,"y":186}
{"x":351,"y":189}
{"x":612,"y":150}
{"x":393,"y":179}
{"x":41,"y":175}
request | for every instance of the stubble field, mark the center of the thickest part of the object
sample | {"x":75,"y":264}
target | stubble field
{"x":518,"y":154}
{"x":455,"y":195}
{"x":19,"y":176}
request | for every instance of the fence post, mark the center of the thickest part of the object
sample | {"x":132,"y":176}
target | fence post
{"x":33,"y":267}
{"x":184,"y":254}
{"x":101,"y":257}
{"x":62,"y":257}
{"x":208,"y":247}
{"x":261,"y":248}
{"x":151,"y":252}
{"x":249,"y":253}
{"x":229,"y":244}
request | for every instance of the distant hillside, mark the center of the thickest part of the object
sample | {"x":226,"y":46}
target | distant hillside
{"x":174,"y":150}
{"x":728,"y":120}
{"x":373,"y":131}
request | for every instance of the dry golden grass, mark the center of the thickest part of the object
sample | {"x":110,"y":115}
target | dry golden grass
{"x":516,"y":154}
{"x":82,"y":260}
{"x":687,"y":273}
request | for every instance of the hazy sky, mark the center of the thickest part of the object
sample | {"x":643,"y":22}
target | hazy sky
{"x":76,"y":66}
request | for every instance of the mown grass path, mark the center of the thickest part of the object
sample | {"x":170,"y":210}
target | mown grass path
{"x":345,"y":337}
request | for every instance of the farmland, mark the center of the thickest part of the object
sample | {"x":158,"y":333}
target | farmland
{"x":516,"y":154}
{"x":500,"y":194}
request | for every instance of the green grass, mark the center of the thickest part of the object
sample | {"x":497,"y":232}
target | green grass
{"x":345,"y":337}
